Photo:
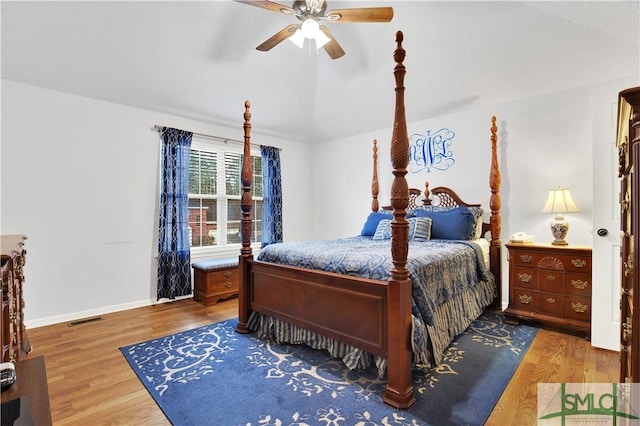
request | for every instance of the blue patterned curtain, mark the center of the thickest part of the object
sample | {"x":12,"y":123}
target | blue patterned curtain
{"x":174,"y":258}
{"x":271,"y":196}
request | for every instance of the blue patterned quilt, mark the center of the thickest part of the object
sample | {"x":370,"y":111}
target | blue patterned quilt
{"x":438,"y":269}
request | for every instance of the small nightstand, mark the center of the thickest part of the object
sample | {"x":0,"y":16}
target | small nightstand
{"x":550,"y":284}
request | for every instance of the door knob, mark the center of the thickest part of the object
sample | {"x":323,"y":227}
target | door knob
{"x":603,"y":232}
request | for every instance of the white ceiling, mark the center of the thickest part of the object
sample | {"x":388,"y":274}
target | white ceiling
{"x":198,"y":59}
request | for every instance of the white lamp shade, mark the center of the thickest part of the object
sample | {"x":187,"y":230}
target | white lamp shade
{"x":560,"y":201}
{"x":321,"y":39}
{"x":297,"y":38}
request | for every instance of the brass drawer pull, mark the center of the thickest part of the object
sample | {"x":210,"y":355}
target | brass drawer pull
{"x":579,"y":307}
{"x":228,"y":274}
{"x":579,"y":284}
{"x":525,"y":278}
{"x":628,"y":266}
{"x":526,"y":258}
{"x":578,"y":263}
{"x":551,"y":277}
{"x":525,"y":299}
{"x":626,"y":329}
{"x":228,"y":284}
{"x":551,"y":300}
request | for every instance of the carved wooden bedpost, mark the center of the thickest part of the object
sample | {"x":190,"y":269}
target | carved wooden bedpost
{"x":246,"y":202}
{"x":375,"y":186}
{"x":495,"y":249}
{"x":399,"y":390}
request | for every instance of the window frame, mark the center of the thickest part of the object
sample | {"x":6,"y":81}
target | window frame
{"x":220,"y":147}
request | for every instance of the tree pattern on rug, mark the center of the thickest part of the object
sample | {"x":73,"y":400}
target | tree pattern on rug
{"x":168,"y":364}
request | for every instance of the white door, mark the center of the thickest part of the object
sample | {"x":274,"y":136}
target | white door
{"x":605,"y":313}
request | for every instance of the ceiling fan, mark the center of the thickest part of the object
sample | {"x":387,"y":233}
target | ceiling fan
{"x":309,"y":13}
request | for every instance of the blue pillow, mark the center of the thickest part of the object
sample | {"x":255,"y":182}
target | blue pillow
{"x":371,"y":224}
{"x":453,"y":224}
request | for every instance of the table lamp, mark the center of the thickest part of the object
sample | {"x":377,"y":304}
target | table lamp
{"x":559,"y":201}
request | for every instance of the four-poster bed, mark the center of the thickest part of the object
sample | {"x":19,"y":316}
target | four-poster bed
{"x":333,"y":305}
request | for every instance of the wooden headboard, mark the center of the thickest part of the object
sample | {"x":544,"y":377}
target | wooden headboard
{"x":447,"y":197}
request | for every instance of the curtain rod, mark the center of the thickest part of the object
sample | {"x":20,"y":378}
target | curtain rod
{"x":159,"y":128}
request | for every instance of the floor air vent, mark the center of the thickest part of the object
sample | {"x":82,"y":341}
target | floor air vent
{"x":84,"y":321}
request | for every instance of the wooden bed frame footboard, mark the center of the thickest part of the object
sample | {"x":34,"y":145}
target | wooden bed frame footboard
{"x":333,"y":304}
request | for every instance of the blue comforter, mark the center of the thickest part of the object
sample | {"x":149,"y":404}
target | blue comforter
{"x":438,"y":269}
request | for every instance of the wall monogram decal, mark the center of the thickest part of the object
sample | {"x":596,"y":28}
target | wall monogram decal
{"x":431,"y":150}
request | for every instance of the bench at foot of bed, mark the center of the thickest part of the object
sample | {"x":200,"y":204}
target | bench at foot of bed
{"x":215,"y":280}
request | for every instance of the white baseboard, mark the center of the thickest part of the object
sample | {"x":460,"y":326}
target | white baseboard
{"x":42,"y":322}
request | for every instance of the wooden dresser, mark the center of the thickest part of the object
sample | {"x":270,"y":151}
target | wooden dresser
{"x":550,"y":284}
{"x":15,"y":343}
{"x":628,"y":142}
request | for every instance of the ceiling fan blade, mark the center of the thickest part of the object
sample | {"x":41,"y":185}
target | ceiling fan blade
{"x":366,"y":14}
{"x":281,"y":35}
{"x":332,"y":47}
{"x":269,"y":5}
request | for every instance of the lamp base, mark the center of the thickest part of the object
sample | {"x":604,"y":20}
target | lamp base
{"x":559,"y":229}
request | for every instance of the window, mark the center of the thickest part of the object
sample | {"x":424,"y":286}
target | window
{"x":215,"y":190}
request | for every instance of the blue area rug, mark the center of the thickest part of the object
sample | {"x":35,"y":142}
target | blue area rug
{"x":213,"y":376}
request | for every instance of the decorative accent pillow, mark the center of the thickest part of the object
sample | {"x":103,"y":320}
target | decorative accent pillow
{"x":419,"y":229}
{"x":477,"y":213}
{"x":374,"y":218}
{"x":452,"y":224}
{"x":383,"y":231}
{"x":422,"y":229}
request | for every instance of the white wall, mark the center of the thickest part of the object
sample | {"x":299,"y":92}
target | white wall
{"x":544,"y":142}
{"x":538,"y":147}
{"x":79,"y":178}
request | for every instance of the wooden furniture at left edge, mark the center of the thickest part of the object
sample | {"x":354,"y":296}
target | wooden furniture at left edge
{"x":31,"y":383}
{"x":15,"y":343}
{"x":628,"y":142}
{"x":334,"y":304}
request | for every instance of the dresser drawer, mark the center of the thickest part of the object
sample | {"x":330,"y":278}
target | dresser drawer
{"x":526,"y":278}
{"x":578,"y":308}
{"x":576,"y":263}
{"x":551,"y":303}
{"x":578,"y":284}
{"x":551,"y":281}
{"x":529,"y":260}
{"x":221,"y":281}
{"x":525,"y":300}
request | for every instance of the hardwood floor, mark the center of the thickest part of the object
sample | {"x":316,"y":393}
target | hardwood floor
{"x":90,"y":382}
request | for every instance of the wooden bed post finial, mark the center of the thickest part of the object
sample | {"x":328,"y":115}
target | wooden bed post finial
{"x":246,"y":203}
{"x":246,"y":179}
{"x":375,"y":186}
{"x":399,"y":161}
{"x":399,"y":389}
{"x":495,"y":220}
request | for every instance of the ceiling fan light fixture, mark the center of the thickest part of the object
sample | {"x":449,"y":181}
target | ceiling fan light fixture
{"x":321,"y":39}
{"x":298,"y":38}
{"x":310,"y":28}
